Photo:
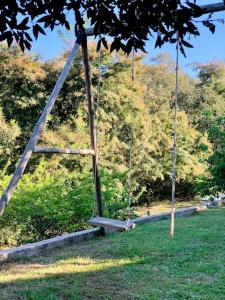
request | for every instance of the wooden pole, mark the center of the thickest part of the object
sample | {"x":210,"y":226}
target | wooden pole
{"x":38,"y":128}
{"x":173,"y":200}
{"x":92,"y":129}
{"x":64,"y":151}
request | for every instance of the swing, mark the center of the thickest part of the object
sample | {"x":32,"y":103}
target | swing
{"x":126,"y":225}
{"x":111,"y":223}
{"x":106,"y":222}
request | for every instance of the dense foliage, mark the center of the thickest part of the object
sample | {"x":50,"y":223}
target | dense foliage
{"x":56,"y":194}
{"x":129,"y":23}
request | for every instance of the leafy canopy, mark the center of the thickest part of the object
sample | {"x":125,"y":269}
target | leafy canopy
{"x":129,"y":23}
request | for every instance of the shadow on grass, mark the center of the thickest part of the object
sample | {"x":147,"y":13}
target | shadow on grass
{"x":141,"y":264}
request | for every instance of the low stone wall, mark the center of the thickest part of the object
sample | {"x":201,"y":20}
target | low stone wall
{"x":163,"y":216}
{"x":33,"y":249}
{"x":212,"y":204}
{"x":36,"y":248}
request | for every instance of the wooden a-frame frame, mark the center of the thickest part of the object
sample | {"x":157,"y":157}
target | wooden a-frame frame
{"x":31,"y":145}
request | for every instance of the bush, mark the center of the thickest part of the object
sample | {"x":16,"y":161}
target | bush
{"x":115,"y":195}
{"x":46,"y":205}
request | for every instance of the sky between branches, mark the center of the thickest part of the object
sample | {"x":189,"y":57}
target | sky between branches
{"x":206,"y":47}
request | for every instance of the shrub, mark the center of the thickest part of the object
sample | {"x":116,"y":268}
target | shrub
{"x":47,"y":204}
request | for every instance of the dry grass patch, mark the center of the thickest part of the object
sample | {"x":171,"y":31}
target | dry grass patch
{"x":162,"y":206}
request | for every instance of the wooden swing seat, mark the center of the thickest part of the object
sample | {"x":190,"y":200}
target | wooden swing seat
{"x":111,"y":223}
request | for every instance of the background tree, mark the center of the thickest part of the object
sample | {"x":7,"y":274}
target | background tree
{"x":22,"y":89}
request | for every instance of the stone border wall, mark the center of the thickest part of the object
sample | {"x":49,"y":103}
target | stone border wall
{"x":163,"y":216}
{"x":36,"y":248}
{"x":33,"y":249}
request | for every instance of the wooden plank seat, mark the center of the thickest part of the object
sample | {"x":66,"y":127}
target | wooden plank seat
{"x":111,"y":223}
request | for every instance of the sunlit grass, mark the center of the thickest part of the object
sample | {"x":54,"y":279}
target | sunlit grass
{"x":141,"y":264}
{"x":71,"y":266}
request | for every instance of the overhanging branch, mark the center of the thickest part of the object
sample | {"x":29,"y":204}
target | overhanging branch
{"x":212,"y":8}
{"x":206,"y":9}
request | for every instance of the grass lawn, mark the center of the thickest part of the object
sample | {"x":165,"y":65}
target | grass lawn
{"x":140,"y":264}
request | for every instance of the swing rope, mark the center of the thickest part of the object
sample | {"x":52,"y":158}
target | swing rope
{"x":173,"y":198}
{"x":131,"y":145}
{"x":129,"y":224}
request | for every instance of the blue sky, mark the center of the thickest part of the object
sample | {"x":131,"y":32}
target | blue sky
{"x":206,"y":47}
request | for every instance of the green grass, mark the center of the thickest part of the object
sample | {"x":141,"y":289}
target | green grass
{"x":141,"y":264}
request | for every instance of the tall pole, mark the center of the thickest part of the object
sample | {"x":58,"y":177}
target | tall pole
{"x":92,"y":129}
{"x":173,"y":200}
